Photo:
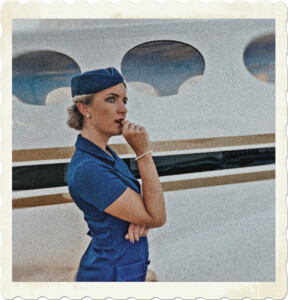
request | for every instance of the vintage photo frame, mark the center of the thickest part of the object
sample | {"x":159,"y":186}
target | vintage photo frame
{"x":145,"y":10}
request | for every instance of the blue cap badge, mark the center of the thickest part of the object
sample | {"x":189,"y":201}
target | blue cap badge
{"x":95,"y":81}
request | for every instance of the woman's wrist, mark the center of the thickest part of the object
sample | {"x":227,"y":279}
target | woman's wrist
{"x":143,"y":154}
{"x":141,"y":150}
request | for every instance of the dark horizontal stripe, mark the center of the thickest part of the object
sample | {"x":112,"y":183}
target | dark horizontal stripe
{"x":201,"y":162}
{"x":39,"y":176}
{"x":166,"y":186}
{"x":54,"y":175}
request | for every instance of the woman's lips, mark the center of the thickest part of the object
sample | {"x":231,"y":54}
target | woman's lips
{"x":119,"y":121}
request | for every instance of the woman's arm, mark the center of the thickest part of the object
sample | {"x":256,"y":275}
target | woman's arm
{"x":130,"y":206}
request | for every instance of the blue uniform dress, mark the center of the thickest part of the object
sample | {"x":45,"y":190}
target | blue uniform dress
{"x":95,"y":181}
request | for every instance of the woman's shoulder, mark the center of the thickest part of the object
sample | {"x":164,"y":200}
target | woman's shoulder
{"x":85,"y":169}
{"x":87,"y":162}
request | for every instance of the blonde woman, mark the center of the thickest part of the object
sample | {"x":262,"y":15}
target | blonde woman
{"x":102,"y":186}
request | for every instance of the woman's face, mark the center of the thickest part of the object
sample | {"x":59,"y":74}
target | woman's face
{"x":107,"y":110}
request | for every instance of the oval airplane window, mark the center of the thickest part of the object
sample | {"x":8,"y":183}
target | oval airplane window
{"x":188,"y":83}
{"x":259,"y":58}
{"x":58,"y":95}
{"x":164,"y":66}
{"x":144,"y":88}
{"x":39,"y":77}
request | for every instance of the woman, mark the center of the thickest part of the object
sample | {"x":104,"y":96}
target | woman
{"x":102,"y":186}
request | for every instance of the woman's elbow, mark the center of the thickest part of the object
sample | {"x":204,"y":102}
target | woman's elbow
{"x":163,"y":221}
{"x":160,"y":222}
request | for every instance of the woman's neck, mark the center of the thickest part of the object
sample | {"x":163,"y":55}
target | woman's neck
{"x":95,"y":137}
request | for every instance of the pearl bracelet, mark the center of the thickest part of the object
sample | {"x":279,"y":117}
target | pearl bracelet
{"x":136,"y":158}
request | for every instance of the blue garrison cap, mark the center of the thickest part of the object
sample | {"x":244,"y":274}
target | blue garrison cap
{"x":95,"y":81}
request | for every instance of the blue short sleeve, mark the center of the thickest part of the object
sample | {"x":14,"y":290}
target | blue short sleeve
{"x":98,"y":185}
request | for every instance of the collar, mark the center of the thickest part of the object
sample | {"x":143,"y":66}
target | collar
{"x":88,"y":146}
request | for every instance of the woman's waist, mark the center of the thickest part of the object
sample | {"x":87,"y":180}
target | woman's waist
{"x":103,"y":225}
{"x":110,"y":231}
{"x":114,"y":239}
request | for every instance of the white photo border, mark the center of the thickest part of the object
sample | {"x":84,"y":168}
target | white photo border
{"x":146,"y":9}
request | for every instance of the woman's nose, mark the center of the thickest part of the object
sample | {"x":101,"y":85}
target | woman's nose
{"x":123,"y":108}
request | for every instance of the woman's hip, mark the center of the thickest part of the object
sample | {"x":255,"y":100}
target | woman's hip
{"x":125,"y":262}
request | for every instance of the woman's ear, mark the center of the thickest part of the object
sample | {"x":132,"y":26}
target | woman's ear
{"x":82,"y":108}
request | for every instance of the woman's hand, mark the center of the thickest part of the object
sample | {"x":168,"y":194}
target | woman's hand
{"x":137,"y":137}
{"x":136,"y":231}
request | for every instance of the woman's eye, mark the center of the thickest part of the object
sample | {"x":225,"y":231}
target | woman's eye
{"x":125,"y":102}
{"x":110,"y":99}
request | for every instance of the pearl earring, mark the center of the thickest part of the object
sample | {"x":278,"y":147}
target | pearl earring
{"x":88,"y":116}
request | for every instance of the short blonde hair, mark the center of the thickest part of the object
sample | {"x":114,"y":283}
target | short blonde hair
{"x":75,"y":117}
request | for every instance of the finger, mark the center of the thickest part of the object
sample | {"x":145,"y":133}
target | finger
{"x":131,"y":128}
{"x":141,"y":230}
{"x":130,"y":232}
{"x":146,"y":231}
{"x":125,"y":124}
{"x":136,"y":232}
{"x":137,"y":128}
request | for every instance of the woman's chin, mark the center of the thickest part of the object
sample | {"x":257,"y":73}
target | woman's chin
{"x":119,"y":132}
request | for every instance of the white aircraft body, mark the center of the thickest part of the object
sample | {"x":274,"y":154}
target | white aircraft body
{"x":205,"y":92}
